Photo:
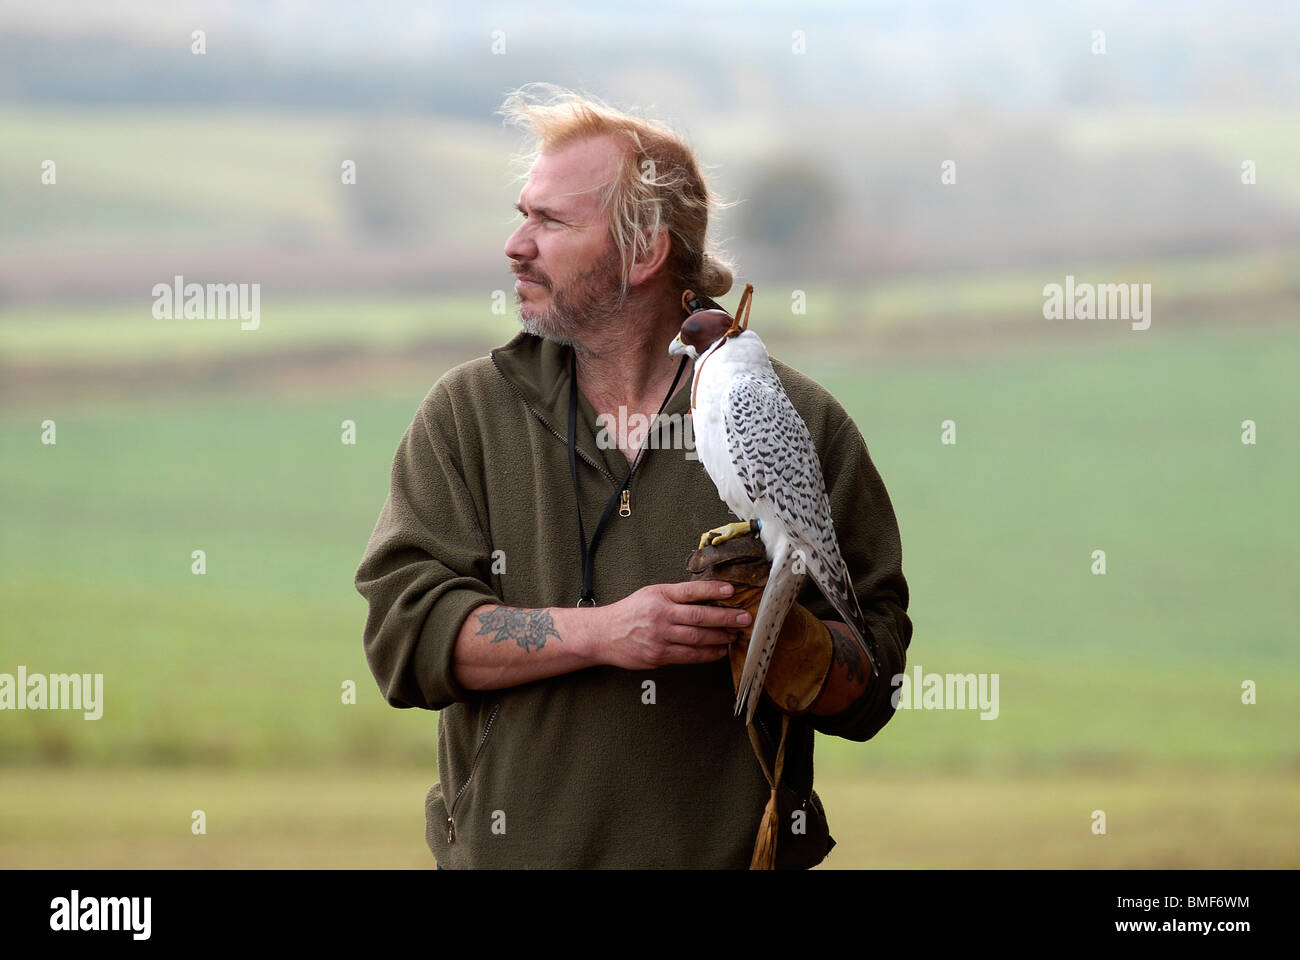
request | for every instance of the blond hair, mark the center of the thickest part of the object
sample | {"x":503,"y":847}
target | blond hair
{"x":658,"y":185}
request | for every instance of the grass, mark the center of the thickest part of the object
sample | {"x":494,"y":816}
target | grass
{"x":954,"y":306}
{"x":333,"y":818}
{"x":1153,"y":820}
{"x":1267,"y":137}
{"x":1130,"y":444}
{"x":237,"y":175}
{"x":1119,"y":692}
{"x":129,"y":333}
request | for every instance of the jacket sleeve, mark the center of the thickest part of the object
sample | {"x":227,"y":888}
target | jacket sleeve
{"x":425,"y":568}
{"x":869,"y":541}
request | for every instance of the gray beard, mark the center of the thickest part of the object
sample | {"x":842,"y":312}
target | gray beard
{"x":590,"y":303}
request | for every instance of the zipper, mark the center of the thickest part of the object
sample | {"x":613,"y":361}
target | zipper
{"x":558,"y":436}
{"x":451,"y":823}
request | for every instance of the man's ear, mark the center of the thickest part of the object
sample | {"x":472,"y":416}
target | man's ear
{"x":653,"y":260}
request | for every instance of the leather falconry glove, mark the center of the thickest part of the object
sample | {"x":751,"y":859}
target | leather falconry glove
{"x":801,"y":663}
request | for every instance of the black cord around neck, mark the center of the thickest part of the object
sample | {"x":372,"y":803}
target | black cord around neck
{"x":586,"y":553}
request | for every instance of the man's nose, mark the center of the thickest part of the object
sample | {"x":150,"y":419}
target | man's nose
{"x":520,"y":245}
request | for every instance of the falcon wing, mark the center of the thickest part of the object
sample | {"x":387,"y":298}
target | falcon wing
{"x":777,"y":464}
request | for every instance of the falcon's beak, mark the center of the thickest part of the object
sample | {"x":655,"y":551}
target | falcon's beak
{"x":677,"y":348}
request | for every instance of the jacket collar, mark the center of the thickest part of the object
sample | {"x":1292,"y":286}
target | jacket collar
{"x":538,"y":369}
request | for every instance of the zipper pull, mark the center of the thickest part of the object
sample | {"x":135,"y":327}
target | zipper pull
{"x":625,"y":508}
{"x":451,"y":830}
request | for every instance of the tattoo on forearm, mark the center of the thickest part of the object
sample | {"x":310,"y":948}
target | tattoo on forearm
{"x":528,"y":628}
{"x":848,"y":654}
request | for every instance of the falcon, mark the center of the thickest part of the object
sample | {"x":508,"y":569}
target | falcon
{"x":757,"y":451}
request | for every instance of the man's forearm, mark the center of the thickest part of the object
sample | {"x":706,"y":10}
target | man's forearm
{"x":501,"y":646}
{"x":848,"y":676}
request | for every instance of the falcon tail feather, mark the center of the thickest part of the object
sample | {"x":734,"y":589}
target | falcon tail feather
{"x":844,"y":599}
{"x":783,"y":586}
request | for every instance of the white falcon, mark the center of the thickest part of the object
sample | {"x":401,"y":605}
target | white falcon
{"x":757,"y":451}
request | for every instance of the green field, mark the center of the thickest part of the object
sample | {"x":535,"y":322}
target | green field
{"x":169,"y":174}
{"x":1118,"y":445}
{"x":963,"y":305}
{"x":1119,"y":692}
{"x":159,"y":175}
{"x":335,"y":818}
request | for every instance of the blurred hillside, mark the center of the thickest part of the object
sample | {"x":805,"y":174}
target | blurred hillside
{"x":228,"y":164}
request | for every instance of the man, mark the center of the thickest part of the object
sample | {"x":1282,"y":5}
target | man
{"x":600,"y":736}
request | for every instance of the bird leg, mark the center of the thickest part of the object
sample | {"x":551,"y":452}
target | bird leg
{"x":728,"y":531}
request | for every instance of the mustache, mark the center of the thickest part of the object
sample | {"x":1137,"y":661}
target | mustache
{"x":538,"y":278}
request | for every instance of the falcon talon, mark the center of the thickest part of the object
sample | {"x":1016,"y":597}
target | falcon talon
{"x":729,"y":531}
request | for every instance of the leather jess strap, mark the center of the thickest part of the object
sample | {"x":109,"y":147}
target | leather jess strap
{"x":695,"y":302}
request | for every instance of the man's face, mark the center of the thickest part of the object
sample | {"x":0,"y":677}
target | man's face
{"x":565,"y":262}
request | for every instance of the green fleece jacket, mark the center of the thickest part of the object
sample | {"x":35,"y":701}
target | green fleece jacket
{"x":579,"y":770}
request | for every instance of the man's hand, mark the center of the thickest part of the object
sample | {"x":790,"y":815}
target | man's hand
{"x":665,"y":623}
